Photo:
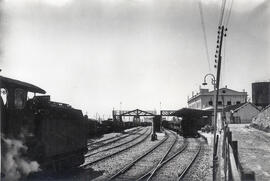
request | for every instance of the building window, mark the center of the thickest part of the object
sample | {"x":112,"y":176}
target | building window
{"x":219,"y":103}
{"x":229,"y":103}
{"x":210,"y":103}
{"x":238,"y":102}
{"x":237,"y":120}
{"x":3,"y":96}
{"x":20,"y":98}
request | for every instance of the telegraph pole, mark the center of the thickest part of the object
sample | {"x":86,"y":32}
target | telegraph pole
{"x":221,"y":33}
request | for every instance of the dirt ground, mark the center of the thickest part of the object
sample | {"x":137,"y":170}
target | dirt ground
{"x":254,"y":149}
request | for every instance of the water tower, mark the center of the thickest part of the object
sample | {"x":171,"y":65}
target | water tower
{"x":261,"y":93}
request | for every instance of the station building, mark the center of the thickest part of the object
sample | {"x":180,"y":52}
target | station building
{"x":204,"y":99}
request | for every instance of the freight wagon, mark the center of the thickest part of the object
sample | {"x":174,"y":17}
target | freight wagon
{"x":96,"y":128}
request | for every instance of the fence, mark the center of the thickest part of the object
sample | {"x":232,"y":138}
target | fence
{"x":233,"y":169}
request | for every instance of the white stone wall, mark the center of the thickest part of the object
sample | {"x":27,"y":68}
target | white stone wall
{"x":202,"y":102}
{"x":196,"y":103}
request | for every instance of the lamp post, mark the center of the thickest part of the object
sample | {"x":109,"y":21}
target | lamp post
{"x":120,"y":112}
{"x":120,"y":106}
{"x":213,"y":81}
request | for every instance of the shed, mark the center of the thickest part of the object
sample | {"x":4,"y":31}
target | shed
{"x":188,"y":112}
{"x":194,"y":117}
{"x":241,"y":113}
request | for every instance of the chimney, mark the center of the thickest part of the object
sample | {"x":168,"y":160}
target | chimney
{"x":204,"y":91}
{"x":226,"y":86}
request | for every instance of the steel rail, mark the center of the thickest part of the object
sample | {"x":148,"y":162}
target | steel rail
{"x":139,"y":158}
{"x":184,"y":171}
{"x":164,"y":156}
{"x":117,"y":152}
{"x":118,"y":136}
{"x":91,"y":154}
{"x":153,"y":171}
{"x":113,"y":141}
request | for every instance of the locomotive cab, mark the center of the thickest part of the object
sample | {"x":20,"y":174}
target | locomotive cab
{"x":15,"y":112}
{"x":55,"y":133}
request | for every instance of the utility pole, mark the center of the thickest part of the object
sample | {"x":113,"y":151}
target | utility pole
{"x":219,"y":58}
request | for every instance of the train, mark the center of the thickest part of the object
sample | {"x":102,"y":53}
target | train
{"x":187,"y":126}
{"x":54,"y":133}
{"x":97,"y":128}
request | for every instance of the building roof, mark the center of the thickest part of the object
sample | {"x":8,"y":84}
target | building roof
{"x":233,"y":107}
{"x":237,"y":107}
{"x":186,"y":112}
{"x":8,"y":83}
{"x":226,"y":89}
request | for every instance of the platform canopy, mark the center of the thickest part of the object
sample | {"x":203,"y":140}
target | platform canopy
{"x":8,"y":83}
{"x":187,"y":112}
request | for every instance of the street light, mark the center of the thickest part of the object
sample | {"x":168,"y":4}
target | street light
{"x":213,"y":81}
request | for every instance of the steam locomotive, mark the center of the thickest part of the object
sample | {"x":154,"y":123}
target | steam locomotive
{"x":55,"y":133}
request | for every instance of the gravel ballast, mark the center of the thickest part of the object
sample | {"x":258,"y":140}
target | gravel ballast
{"x":148,"y":162}
{"x":100,"y":153}
{"x":201,"y":169}
{"x":113,"y":144}
{"x":171,"y":170}
{"x":112,"y":165}
{"x":113,"y":137}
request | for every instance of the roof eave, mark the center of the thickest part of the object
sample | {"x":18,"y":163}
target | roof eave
{"x":8,"y":82}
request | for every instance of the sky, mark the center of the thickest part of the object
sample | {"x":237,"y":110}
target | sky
{"x":146,"y":54}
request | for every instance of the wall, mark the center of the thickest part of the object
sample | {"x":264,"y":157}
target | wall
{"x":246,"y":114}
{"x":224,"y":99}
{"x":196,"y":103}
{"x":262,"y":120}
{"x":225,"y":95}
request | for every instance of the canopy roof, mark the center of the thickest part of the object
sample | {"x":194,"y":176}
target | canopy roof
{"x":12,"y":83}
{"x":187,"y":112}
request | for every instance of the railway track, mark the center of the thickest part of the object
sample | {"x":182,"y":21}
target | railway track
{"x":192,"y":161}
{"x":116,"y":150}
{"x":114,"y":146}
{"x":163,"y":161}
{"x":149,"y":161}
{"x":96,"y":145}
{"x":176,"y":166}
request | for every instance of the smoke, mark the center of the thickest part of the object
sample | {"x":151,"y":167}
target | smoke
{"x":14,"y":164}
